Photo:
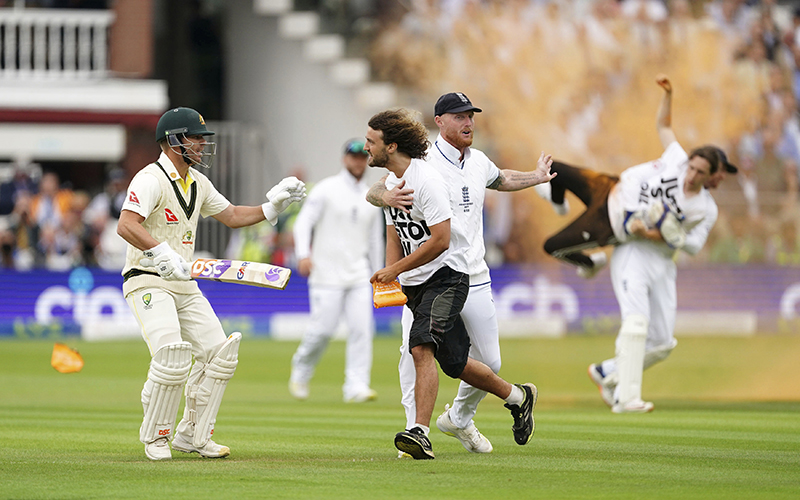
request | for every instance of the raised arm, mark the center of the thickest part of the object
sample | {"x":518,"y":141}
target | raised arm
{"x":513,"y":180}
{"x":664,"y":116}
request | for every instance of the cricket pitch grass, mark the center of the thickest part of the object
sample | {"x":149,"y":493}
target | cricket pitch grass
{"x":726,"y":425}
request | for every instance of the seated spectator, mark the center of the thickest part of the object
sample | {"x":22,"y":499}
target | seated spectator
{"x":52,"y":202}
{"x":19,"y":238}
{"x":67,"y":245}
{"x":102,"y":216}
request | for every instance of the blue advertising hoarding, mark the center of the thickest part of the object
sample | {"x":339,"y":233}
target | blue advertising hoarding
{"x":530,"y":300}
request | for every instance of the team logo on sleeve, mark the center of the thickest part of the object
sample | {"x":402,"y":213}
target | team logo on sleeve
{"x":132,"y":198}
{"x":171,"y":218}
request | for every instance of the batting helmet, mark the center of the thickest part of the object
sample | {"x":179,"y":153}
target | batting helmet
{"x":179,"y":123}
{"x":184,"y":121}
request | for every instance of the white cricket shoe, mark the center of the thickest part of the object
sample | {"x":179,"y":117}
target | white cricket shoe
{"x":607,"y":393}
{"x":470,"y":437}
{"x":403,"y":455}
{"x":600,"y":260}
{"x":362,"y":397}
{"x":299,"y":390}
{"x":635,"y":406}
{"x":158,"y":449}
{"x":545,"y":190}
{"x":210,"y":450}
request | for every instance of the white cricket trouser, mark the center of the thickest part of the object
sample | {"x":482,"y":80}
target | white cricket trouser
{"x":480,"y":320}
{"x":328,"y":304}
{"x":644,"y":283}
{"x":167,"y":317}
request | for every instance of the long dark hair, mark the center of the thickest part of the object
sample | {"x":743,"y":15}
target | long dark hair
{"x":401,"y":127}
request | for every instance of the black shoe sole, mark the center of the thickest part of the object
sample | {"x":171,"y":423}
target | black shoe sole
{"x":409,"y":445}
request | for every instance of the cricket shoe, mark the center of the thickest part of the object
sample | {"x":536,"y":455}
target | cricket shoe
{"x":415,"y":443}
{"x":635,"y":406}
{"x":524,"y":425}
{"x":362,"y":397}
{"x":607,"y":393}
{"x":545,"y":190}
{"x":470,"y":436}
{"x":402,"y":455}
{"x":600,"y":259}
{"x":158,"y":449}
{"x":299,"y":390}
{"x":210,"y":450}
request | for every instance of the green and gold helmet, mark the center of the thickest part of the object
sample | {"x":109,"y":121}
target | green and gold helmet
{"x":179,"y":123}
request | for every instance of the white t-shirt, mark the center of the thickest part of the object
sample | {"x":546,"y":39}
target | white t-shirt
{"x":662,"y":181}
{"x":467,"y":180}
{"x":432,"y":205}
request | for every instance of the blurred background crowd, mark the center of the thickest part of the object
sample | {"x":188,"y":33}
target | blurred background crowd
{"x":574,"y":78}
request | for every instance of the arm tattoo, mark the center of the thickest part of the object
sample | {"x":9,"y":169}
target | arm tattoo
{"x":375,"y":194}
{"x":512,"y":180}
{"x":496,"y":183}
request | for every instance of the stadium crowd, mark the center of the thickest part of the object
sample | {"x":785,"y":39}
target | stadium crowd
{"x":571,"y":76}
{"x":45,"y":223}
{"x":568,"y":76}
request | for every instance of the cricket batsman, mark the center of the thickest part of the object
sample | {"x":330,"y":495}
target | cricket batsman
{"x":159,"y":221}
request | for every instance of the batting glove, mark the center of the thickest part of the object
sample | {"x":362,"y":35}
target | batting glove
{"x":667,"y":220}
{"x":283,"y":194}
{"x":630,"y":217}
{"x":168,"y":264}
{"x":672,"y":230}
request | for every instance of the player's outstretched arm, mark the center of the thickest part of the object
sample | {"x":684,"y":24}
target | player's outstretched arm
{"x":664,"y":116}
{"x":398,"y":197}
{"x":514,"y":180}
{"x":283,"y":194}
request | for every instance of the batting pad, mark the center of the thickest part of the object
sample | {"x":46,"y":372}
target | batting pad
{"x":387,"y":294}
{"x":162,"y":391}
{"x":630,"y":357}
{"x":204,"y":398}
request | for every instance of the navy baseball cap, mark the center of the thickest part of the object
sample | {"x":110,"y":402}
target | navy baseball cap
{"x":454,"y":102}
{"x":354,"y":147}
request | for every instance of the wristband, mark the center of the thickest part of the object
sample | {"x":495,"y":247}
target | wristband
{"x":270,"y":213}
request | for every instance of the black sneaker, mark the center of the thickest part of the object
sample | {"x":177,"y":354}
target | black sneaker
{"x":523,"y":414}
{"x":415,"y":443}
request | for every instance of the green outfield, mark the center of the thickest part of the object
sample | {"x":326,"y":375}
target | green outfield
{"x":726,"y":425}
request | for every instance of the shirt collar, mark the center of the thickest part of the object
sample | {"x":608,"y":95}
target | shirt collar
{"x":449,"y":152}
{"x":172,"y":172}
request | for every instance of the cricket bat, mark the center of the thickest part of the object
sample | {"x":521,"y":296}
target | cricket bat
{"x":243,"y":272}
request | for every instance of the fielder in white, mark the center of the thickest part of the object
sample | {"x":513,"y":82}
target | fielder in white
{"x":338,"y":241}
{"x":650,"y":212}
{"x":468,"y":172}
{"x":159,"y":221}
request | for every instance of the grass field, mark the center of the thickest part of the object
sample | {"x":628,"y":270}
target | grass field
{"x":726,"y":425}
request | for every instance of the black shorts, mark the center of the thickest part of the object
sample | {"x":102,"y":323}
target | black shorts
{"x":436,"y":305}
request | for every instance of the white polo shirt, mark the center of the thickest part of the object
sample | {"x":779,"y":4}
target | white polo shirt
{"x":467,"y":180}
{"x":662,"y":181}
